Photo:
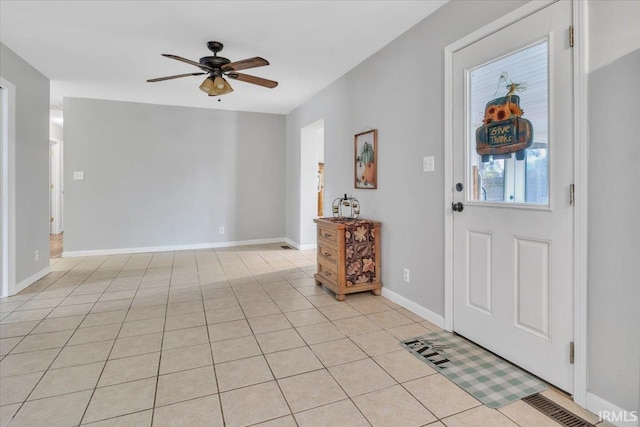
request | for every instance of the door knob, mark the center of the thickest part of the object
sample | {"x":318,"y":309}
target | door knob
{"x":457,"y":207}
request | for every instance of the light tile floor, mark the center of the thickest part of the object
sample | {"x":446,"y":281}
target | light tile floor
{"x":233,"y":337}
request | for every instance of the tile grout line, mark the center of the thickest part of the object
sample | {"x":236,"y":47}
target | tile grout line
{"x":206,"y":326}
{"x":262,"y":354}
{"x":61,"y":348}
{"x":164,"y":324}
{"x":267,"y":362}
{"x":325,"y":368}
{"x":275,"y":380}
{"x":369,"y":357}
{"x":84,"y":413}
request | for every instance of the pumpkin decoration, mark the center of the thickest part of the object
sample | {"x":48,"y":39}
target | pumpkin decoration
{"x":345,"y":207}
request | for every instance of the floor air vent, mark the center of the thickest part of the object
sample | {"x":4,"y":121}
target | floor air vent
{"x":556,"y":412}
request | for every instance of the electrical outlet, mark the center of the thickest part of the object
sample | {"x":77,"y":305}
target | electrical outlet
{"x":221,"y":230}
{"x":37,"y":255}
{"x":405,"y":274}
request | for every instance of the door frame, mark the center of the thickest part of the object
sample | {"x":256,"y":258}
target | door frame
{"x":55,"y":180}
{"x":8,"y":189}
{"x":580,"y":143}
{"x":312,"y":143}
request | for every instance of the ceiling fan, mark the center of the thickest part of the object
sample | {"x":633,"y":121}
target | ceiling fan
{"x":218,"y":67}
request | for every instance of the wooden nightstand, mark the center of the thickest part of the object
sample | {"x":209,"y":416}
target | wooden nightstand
{"x":348,"y":256}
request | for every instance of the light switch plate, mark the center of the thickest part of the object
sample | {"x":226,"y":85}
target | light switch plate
{"x":428,"y":164}
{"x":78,"y":175}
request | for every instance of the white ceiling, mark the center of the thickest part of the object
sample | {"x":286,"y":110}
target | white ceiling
{"x":107,"y":49}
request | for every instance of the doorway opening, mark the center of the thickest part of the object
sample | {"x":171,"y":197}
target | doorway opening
{"x":7,"y":188}
{"x":311,"y":181}
{"x":320,"y":189}
{"x":56,"y":185}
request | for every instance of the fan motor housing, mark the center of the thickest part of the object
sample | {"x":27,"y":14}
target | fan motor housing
{"x":214,"y":61}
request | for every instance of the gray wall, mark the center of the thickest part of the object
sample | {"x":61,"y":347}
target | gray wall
{"x":406,"y":105}
{"x":32,"y":162}
{"x":160,"y":175}
{"x":399,"y":90}
{"x":614,"y":203}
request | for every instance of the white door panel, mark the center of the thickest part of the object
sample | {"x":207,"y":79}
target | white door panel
{"x":531,"y":286}
{"x":479,"y":283}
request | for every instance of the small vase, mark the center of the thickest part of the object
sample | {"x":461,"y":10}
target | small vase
{"x":370,"y":169}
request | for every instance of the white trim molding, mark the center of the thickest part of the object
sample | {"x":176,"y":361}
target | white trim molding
{"x":8,"y":190}
{"x":168,"y":248}
{"x":299,"y":246}
{"x":55,"y":179}
{"x":414,"y":307}
{"x":31,"y":280}
{"x":615,"y":414}
{"x":580,"y":70}
{"x":448,"y":187}
{"x":581,"y":179}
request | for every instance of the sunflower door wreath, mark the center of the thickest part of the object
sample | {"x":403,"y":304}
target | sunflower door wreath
{"x":504,"y":131}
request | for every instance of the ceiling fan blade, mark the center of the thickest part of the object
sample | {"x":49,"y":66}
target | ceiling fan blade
{"x":177,"y":76}
{"x":188,"y":61}
{"x":245,"y":64}
{"x":252,"y":79}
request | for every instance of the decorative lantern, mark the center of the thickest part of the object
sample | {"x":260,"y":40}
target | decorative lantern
{"x":346,"y":207}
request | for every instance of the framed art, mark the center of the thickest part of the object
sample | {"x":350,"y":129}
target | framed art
{"x":366,"y":160}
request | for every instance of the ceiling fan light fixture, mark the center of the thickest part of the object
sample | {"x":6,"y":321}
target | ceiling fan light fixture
{"x":222,"y":87}
{"x":208,"y":86}
{"x":216,"y":86}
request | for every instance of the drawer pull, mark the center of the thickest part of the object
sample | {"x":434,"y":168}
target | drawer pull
{"x":327,"y":254}
{"x":327,"y":273}
{"x":326,"y":235}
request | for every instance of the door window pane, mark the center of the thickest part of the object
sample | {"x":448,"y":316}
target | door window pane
{"x":520,"y":177}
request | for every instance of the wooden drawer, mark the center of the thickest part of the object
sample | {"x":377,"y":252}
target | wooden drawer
{"x":328,"y":256}
{"x":328,"y":273}
{"x":328,"y":235}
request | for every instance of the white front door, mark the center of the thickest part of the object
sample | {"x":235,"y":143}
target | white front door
{"x":513,"y":238}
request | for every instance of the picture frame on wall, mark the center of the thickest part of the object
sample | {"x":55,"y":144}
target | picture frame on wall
{"x":366,"y":160}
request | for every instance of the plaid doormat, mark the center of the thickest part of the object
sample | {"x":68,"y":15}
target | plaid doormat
{"x":491,"y":380}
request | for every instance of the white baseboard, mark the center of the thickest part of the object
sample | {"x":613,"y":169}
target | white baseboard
{"x":306,"y":247}
{"x":414,"y":307}
{"x":31,"y":280}
{"x":299,"y":246}
{"x":120,"y":251}
{"x":292,"y":243}
{"x":611,"y":412}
